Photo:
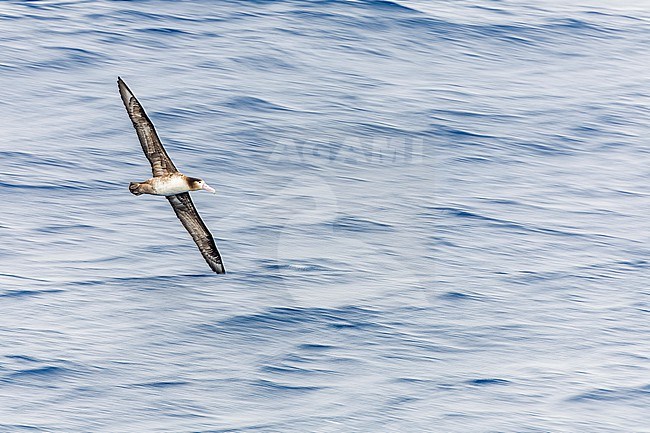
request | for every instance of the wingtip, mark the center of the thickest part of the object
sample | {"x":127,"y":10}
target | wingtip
{"x":125,"y":92}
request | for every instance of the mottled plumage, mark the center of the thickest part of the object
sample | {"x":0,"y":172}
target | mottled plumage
{"x":168,"y":181}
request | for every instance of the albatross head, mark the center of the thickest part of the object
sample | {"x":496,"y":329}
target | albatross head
{"x":197,"y":184}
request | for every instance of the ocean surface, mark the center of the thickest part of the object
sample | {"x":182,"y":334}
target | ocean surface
{"x":433,"y":214}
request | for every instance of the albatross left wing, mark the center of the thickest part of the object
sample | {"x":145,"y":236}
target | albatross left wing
{"x":161,"y":163}
{"x":186,"y":212}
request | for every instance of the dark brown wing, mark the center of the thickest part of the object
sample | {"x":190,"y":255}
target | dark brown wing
{"x":186,"y":212}
{"x":161,"y":164}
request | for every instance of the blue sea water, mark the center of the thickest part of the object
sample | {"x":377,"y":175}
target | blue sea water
{"x":432,"y":214}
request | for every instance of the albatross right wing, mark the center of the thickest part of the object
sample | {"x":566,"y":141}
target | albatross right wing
{"x":161,"y":163}
{"x":186,"y":212}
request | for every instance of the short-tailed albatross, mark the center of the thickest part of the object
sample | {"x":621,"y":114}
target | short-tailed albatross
{"x":168,"y":181}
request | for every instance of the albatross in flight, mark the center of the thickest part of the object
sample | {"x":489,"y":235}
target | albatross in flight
{"x":168,"y":181}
